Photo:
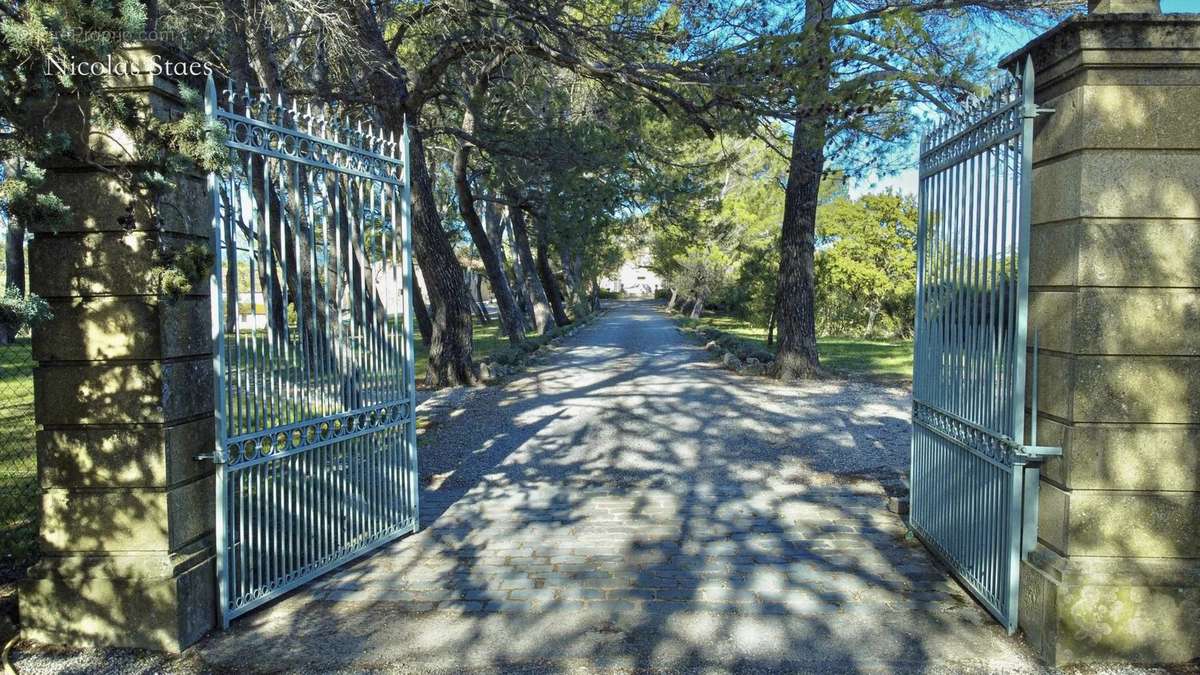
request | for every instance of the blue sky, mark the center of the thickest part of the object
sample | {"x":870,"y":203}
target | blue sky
{"x":906,"y":181}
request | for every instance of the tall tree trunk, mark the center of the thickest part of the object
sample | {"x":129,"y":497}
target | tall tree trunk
{"x":549,"y":282}
{"x":450,"y":348}
{"x":572,"y":265}
{"x":14,"y":271}
{"x":510,"y":317}
{"x":471,"y":280}
{"x":543,"y":314}
{"x":483,"y":310}
{"x":494,"y":223}
{"x":257,"y":61}
{"x":14,"y":256}
{"x":269,"y":289}
{"x":671,"y":302}
{"x":771,"y":322}
{"x":697,"y":307}
{"x":797,"y":355}
{"x":520,"y":278}
{"x":293,"y":240}
{"x":424,"y":327}
{"x":237,"y":36}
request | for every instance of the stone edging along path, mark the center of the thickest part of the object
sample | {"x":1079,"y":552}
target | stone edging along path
{"x":746,"y":358}
{"x":512,"y":360}
{"x":740,"y":356}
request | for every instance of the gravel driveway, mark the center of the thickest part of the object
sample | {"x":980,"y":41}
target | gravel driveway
{"x":628,"y":505}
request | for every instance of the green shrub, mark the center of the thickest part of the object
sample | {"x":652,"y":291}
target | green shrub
{"x":509,"y":356}
{"x":181,"y":270}
{"x":18,"y":313}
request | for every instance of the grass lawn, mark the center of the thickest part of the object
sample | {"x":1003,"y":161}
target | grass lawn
{"x":487,"y":338}
{"x":19,"y":498}
{"x":872,"y":359}
{"x":18,"y":454}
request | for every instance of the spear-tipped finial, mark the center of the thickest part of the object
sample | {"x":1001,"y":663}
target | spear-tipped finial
{"x":210,"y":96}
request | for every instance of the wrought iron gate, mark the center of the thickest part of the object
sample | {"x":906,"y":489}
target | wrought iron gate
{"x":974,"y":478}
{"x":313,"y":345}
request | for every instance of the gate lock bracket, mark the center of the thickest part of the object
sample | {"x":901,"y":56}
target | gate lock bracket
{"x":1039,"y":451}
{"x":1031,"y":111}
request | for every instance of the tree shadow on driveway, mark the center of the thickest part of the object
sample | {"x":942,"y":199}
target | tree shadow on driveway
{"x":632,"y":507}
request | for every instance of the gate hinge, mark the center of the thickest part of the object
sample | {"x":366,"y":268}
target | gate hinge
{"x":215,"y":457}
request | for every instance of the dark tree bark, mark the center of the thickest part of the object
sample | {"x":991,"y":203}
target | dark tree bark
{"x":493,"y":224}
{"x":546,"y":273}
{"x":269,"y":288}
{"x":424,"y":326}
{"x":543,"y":314}
{"x":771,"y":322}
{"x":232,"y":310}
{"x":14,"y":256}
{"x":797,"y":355}
{"x":251,"y":59}
{"x":292,"y":238}
{"x":14,"y":272}
{"x":450,"y":348}
{"x":239,"y":68}
{"x":572,"y":264}
{"x":510,"y":317}
{"x":475,"y":285}
{"x":520,"y":279}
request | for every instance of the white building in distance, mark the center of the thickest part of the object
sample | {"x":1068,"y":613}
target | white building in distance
{"x":634,"y":278}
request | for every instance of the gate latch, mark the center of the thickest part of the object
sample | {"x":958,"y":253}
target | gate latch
{"x":1036,"y":451}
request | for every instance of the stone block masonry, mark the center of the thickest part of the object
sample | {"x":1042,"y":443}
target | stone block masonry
{"x":124,"y":403}
{"x":1114,"y":292}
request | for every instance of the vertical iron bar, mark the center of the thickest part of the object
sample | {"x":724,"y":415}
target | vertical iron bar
{"x":409,"y":289}
{"x":1025,"y":215}
{"x":216,"y":284}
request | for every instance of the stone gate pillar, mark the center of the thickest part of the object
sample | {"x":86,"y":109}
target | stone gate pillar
{"x":123,"y":403}
{"x":1115,"y":296}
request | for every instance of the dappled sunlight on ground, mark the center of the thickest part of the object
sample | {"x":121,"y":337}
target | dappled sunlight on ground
{"x":632,"y":506}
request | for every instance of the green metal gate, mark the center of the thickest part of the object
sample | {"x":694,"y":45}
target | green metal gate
{"x":313,"y":345}
{"x":974,"y":479}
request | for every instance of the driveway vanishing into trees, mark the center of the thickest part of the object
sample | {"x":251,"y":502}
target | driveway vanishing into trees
{"x":631,"y":505}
